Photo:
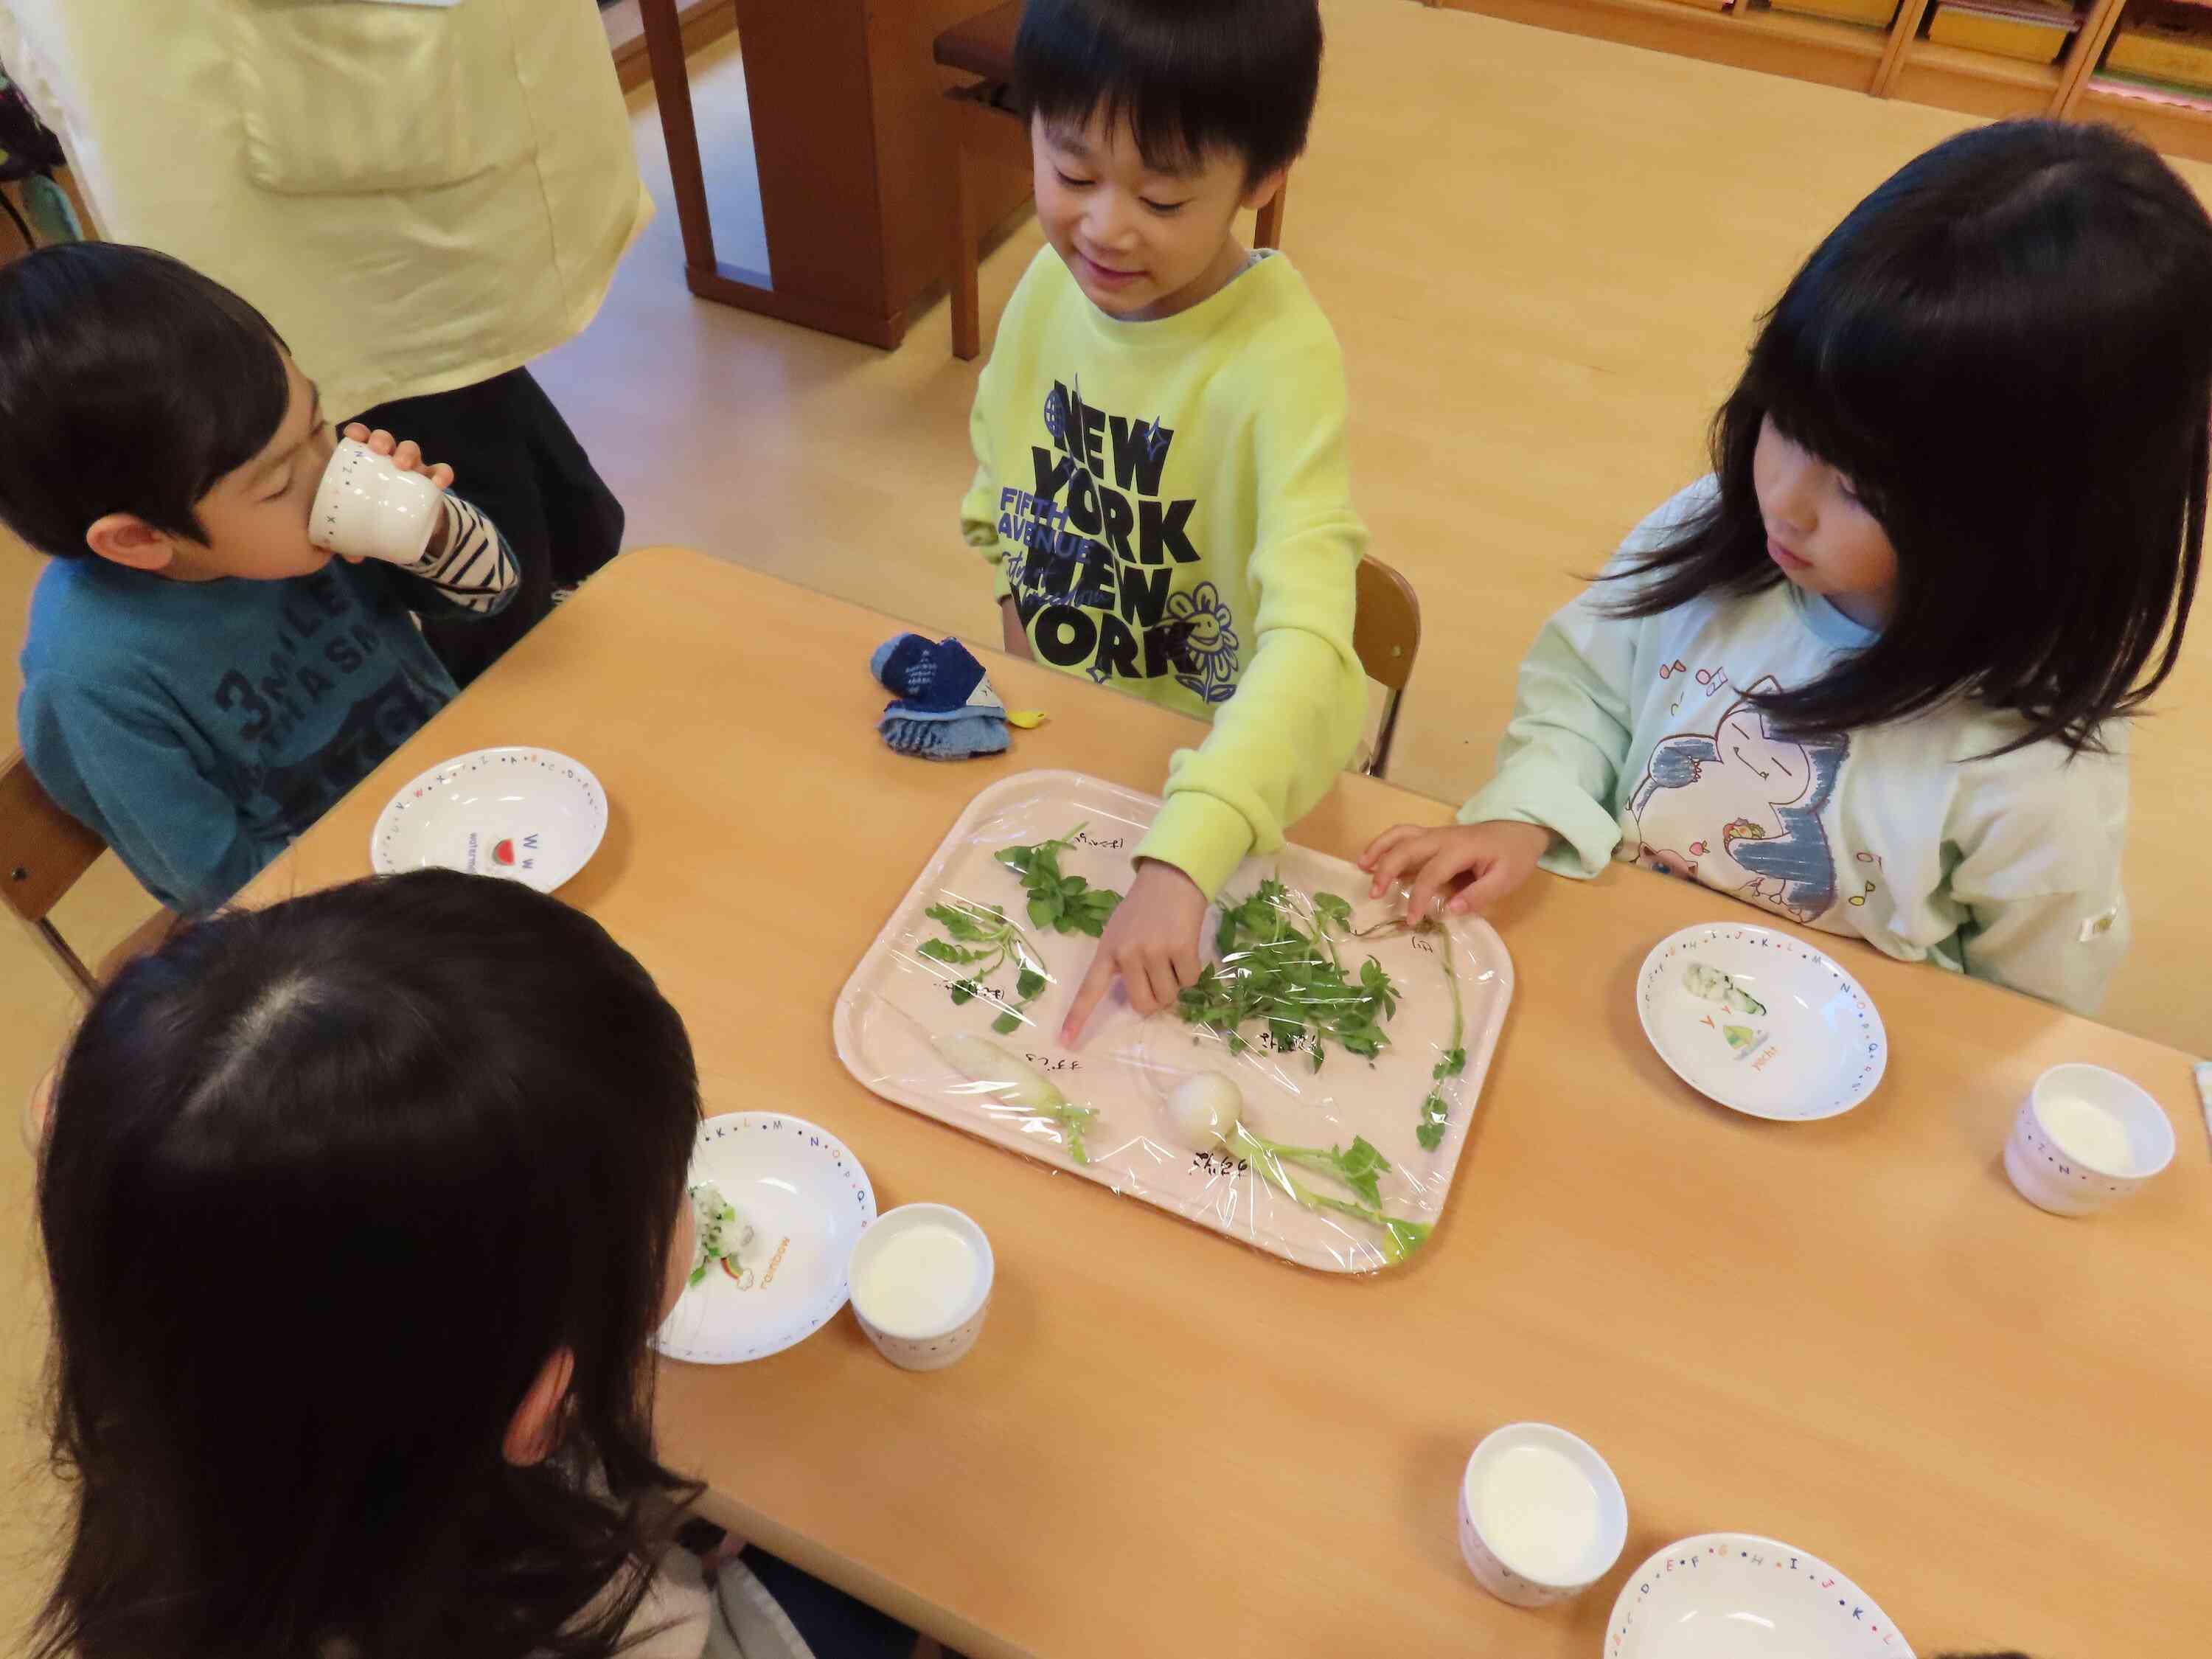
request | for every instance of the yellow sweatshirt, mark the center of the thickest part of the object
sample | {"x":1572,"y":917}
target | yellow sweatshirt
{"x":1169,"y":504}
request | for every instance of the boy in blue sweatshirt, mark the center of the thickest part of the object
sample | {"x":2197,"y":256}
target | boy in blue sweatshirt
{"x":200,"y":680}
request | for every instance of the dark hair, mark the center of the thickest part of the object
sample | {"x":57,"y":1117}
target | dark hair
{"x":1190,"y":76}
{"x":2008,"y":349}
{"x":325,"y":1186}
{"x":129,"y":383}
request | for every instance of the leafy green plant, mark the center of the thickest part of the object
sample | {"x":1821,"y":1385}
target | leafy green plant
{"x":1290,"y":979}
{"x":1296,"y":981}
{"x":1066,"y":904}
{"x":982,"y":939}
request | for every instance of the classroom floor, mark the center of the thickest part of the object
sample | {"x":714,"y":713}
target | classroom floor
{"x":1543,"y":255}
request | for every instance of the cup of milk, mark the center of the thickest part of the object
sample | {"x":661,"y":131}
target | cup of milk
{"x":921,"y":1282}
{"x":371,"y":507}
{"x":2084,"y":1139}
{"x":1541,"y":1517}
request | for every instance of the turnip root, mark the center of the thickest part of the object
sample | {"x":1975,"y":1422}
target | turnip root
{"x":1206,"y":1108}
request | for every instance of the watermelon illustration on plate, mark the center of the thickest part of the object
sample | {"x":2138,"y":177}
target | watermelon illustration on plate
{"x":504,"y":853}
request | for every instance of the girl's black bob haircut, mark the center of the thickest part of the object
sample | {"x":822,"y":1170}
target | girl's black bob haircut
{"x":2007,"y":348}
{"x":325,"y":1186}
{"x":1192,"y":77}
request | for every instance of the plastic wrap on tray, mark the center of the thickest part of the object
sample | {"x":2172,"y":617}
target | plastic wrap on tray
{"x":1309,"y":1095}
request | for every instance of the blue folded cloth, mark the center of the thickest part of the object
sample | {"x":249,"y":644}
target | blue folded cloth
{"x":943,"y":707}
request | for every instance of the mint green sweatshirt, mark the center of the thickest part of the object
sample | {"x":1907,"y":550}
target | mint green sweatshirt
{"x":1635,"y":739}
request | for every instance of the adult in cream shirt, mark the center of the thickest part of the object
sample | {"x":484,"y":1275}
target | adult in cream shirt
{"x":421,"y":197}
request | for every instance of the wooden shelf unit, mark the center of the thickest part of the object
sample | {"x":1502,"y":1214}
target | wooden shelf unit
{"x":2173,"y":127}
{"x":1892,"y":62}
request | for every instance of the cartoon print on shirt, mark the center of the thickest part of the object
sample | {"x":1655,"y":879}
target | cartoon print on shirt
{"x":1739,"y":811}
{"x":1710,"y":683}
{"x":1859,"y":899}
{"x":1211,"y":643}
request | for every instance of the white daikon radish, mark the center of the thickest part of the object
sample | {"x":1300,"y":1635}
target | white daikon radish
{"x":1015,"y":1080}
{"x":1004,"y":1074}
{"x":1205,"y":1107}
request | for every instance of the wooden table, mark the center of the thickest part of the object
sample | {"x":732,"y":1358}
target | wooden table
{"x":1850,"y":1335}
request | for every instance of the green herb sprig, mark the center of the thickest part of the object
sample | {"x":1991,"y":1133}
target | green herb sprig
{"x":1066,"y":904}
{"x":983,"y":939}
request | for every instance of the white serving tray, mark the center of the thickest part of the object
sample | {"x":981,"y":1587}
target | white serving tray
{"x":898,"y":1000}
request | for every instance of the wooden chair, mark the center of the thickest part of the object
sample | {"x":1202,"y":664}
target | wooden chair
{"x":43,"y":852}
{"x":1387,"y":634}
{"x":988,"y":126}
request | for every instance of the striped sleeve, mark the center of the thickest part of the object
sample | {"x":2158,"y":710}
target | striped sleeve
{"x":475,"y":570}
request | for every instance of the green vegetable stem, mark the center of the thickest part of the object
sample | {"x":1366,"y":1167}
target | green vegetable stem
{"x":1073,"y":1122}
{"x":1436,"y":1112}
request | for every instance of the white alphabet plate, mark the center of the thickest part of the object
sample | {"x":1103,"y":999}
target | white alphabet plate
{"x":1761,"y":1021}
{"x":525,"y":814}
{"x":1733,"y":1595}
{"x":807,"y":1201}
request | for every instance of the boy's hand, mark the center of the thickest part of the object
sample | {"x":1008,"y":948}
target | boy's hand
{"x":1018,"y":637}
{"x":407,"y":457}
{"x":1151,"y":945}
{"x":1494,"y":858}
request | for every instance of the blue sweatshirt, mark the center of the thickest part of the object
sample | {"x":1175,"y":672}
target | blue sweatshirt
{"x":198,"y":727}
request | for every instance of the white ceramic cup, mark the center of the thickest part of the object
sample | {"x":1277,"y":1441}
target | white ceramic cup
{"x":1529,"y":1547}
{"x":921,"y":1303}
{"x":371,"y":508}
{"x":2084,"y":1139}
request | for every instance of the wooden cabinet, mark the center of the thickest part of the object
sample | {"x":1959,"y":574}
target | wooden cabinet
{"x":1896,"y":60}
{"x":854,"y":155}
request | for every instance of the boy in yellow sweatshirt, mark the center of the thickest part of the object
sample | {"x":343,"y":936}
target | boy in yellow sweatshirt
{"x":1161,"y":475}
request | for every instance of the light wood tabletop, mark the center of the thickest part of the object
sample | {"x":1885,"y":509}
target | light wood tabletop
{"x":1850,"y":1335}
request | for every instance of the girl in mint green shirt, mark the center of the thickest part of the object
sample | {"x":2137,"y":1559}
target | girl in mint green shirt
{"x":1877,"y":674}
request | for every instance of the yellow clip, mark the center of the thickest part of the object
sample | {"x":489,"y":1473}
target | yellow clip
{"x":1027,"y":719}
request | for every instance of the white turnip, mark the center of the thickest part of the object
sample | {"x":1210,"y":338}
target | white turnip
{"x":1206,"y":1108}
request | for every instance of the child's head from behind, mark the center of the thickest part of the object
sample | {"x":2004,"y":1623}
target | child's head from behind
{"x":359,"y":1211}
{"x":1977,"y":419}
{"x":150,"y":416}
{"x":1151,"y":124}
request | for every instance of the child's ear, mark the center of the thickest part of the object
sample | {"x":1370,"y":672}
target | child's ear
{"x":125,"y":538}
{"x":533,"y":1433}
{"x":1261,"y":190}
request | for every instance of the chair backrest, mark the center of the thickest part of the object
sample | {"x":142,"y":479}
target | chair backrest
{"x":43,"y":852}
{"x":982,"y":45}
{"x":1386,"y":632}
